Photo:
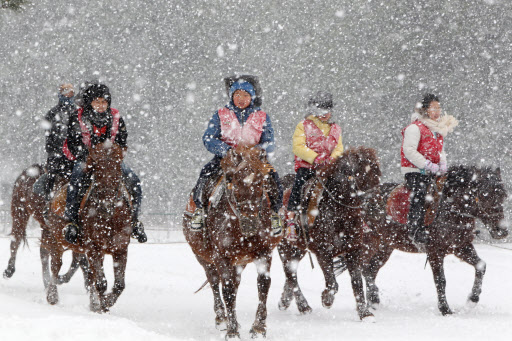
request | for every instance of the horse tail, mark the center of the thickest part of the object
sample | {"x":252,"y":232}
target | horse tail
{"x":20,"y":203}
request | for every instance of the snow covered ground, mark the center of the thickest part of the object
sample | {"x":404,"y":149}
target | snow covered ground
{"x":159,"y":301}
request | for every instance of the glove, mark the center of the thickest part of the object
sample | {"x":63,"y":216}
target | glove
{"x":443,"y":167}
{"x":320,"y":159}
{"x":431,"y":167}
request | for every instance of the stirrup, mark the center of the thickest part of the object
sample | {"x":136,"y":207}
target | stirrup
{"x":138,"y":232}
{"x":291,"y":231}
{"x":277,"y":224}
{"x":197,"y":220}
{"x":70,"y":233}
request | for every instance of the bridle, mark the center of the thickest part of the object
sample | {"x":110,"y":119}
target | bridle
{"x":353,"y":184}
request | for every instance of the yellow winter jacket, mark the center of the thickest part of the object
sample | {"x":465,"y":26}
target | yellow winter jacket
{"x":299,"y":141}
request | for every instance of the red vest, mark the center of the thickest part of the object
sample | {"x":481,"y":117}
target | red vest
{"x":315,"y":140}
{"x":233,"y":133}
{"x":430,"y":145}
{"x":86,"y":134}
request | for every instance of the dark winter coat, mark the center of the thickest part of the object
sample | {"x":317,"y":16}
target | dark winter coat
{"x":58,"y":119}
{"x":75,"y":142}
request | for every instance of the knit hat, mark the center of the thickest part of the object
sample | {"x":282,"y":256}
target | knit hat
{"x":244,"y":85}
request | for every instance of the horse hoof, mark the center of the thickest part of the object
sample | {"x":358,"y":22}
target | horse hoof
{"x":445,"y":311}
{"x":233,"y":336}
{"x":62,"y":279}
{"x":52,"y":296}
{"x":375,"y":306}
{"x":8,"y":273}
{"x":369,"y":319}
{"x":327,"y":298}
{"x":305,"y":310}
{"x":283,"y":305}
{"x":470,"y":304}
{"x":221,"y":325}
{"x":257,"y":331}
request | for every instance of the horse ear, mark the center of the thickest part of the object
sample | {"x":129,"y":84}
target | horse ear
{"x":498,"y":172}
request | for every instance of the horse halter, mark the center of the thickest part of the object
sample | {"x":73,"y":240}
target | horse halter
{"x":353,"y":184}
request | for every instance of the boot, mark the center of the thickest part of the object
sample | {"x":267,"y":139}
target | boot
{"x":291,"y":230}
{"x":419,"y":235}
{"x":276,"y":223}
{"x":197,"y":220}
{"x":71,"y":232}
{"x":138,"y":231}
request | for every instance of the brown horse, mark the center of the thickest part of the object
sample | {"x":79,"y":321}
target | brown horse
{"x":105,"y":217}
{"x":237,"y":232}
{"x":24,"y":204}
{"x":337,"y":229}
{"x":469,"y":194}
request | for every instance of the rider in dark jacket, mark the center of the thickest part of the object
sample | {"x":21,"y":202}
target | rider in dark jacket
{"x":95,"y":123}
{"x":57,"y":121}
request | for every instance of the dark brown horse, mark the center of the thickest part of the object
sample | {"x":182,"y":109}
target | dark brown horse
{"x":469,"y":194}
{"x":24,"y":204}
{"x":337,"y":229}
{"x":237,"y":232}
{"x":105,"y":217}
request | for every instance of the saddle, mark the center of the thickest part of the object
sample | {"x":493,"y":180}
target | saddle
{"x":398,"y":202}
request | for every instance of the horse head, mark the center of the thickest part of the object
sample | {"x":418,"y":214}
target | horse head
{"x":244,"y":169}
{"x":358,"y":168}
{"x":105,"y":160}
{"x":479,"y":193}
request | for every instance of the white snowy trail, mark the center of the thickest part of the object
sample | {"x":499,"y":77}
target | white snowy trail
{"x":159,"y":302}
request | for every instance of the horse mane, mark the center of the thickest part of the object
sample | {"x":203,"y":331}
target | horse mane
{"x":464,"y":176}
{"x":343,"y":162}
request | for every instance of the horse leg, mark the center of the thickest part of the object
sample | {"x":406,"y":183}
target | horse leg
{"x":370,"y":272}
{"x":290,"y":258}
{"x":84,"y":265}
{"x":120,"y":259}
{"x":72,"y":269}
{"x":95,"y":259}
{"x":218,"y":305}
{"x":230,"y":281}
{"x":259,"y":327}
{"x":356,"y":279}
{"x":325,"y":260}
{"x":468,"y":254}
{"x":45,"y":262}
{"x":436,"y":263}
{"x":52,"y":296}
{"x":20,"y":217}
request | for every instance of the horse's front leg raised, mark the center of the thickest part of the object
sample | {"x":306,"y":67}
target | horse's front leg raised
{"x":259,"y":326}
{"x":291,"y":257}
{"x":356,"y":279}
{"x":230,"y":277}
{"x":325,"y":260}
{"x":75,"y":264}
{"x":436,"y":263}
{"x":468,"y":254}
{"x":119,"y":259}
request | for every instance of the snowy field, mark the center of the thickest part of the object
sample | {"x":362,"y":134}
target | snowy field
{"x":159,"y":301}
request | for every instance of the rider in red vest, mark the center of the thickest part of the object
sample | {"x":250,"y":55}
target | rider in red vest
{"x":241,"y":122}
{"x":316,"y":141}
{"x":93,"y":123}
{"x":422,"y":157}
